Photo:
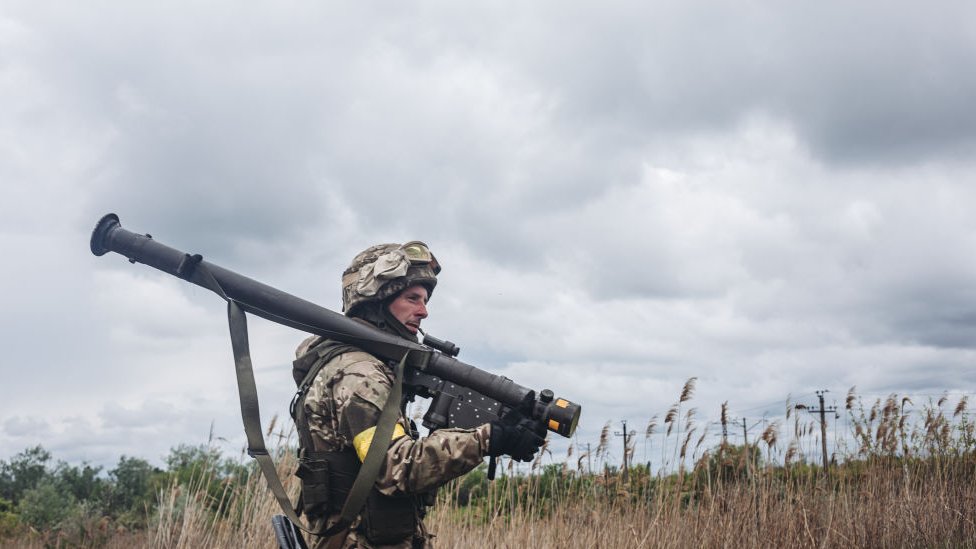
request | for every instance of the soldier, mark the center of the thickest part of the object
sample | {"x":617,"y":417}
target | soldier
{"x":388,"y":286}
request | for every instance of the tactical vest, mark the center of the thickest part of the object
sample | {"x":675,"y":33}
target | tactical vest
{"x":327,"y":477}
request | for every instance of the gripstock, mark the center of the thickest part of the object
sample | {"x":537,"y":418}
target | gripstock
{"x":432,"y":369}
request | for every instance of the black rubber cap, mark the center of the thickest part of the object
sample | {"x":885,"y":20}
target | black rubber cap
{"x":105,"y":225}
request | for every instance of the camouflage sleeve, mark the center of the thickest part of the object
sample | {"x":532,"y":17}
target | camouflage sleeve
{"x":412,"y":465}
{"x":421,"y":465}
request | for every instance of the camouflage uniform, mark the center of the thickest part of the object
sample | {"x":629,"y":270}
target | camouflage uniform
{"x":345,"y":400}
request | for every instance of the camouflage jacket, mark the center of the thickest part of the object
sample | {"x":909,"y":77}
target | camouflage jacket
{"x":343,"y":405}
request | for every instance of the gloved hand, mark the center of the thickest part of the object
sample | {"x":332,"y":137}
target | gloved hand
{"x":514,"y":438}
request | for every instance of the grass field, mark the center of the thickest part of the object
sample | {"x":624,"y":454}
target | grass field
{"x":908,"y":480}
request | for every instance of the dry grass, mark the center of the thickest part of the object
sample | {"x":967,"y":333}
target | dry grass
{"x":184,"y":518}
{"x":908,"y":480}
{"x":884,"y":513}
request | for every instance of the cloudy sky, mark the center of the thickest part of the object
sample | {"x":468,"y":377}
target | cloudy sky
{"x":772,"y":197}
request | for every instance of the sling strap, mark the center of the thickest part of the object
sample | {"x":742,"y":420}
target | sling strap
{"x":251,"y":414}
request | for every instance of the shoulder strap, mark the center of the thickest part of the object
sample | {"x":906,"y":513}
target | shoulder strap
{"x":319,"y":355}
{"x":308,"y":365}
{"x":373,"y":461}
{"x":250,"y":413}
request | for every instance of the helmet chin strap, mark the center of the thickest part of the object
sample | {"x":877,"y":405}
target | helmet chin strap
{"x":378,"y":314}
{"x":397,"y":327}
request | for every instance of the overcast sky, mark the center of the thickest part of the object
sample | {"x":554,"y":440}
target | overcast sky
{"x":773,"y":197}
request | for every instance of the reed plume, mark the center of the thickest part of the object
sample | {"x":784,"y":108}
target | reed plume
{"x":688,"y":390}
{"x":651,"y":426}
{"x":771,"y":434}
{"x":961,"y":406}
{"x":670,"y":417}
{"x":601,"y":448}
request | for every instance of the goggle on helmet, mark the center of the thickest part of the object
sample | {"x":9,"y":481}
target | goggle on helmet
{"x":419,"y":254}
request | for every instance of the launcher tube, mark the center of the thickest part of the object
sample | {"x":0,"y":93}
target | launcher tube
{"x":281,"y":307}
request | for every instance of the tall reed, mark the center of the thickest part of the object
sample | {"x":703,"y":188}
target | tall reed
{"x":906,"y":479}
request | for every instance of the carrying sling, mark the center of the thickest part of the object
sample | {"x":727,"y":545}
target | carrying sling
{"x":251,"y":415}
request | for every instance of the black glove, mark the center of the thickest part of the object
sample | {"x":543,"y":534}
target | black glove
{"x":516,"y":439}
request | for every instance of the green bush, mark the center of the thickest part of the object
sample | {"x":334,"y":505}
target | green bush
{"x":84,"y":526}
{"x":45,"y":506}
{"x":24,"y":471}
{"x":9,"y":521}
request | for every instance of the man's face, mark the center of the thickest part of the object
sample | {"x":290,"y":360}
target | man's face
{"x":410,"y":307}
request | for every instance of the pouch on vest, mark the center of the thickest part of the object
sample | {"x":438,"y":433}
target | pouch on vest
{"x":388,"y":519}
{"x":385,"y":519}
{"x":313,"y":470}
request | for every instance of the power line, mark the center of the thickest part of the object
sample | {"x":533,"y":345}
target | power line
{"x":823,"y":424}
{"x":627,"y":435}
{"x":765,"y":407}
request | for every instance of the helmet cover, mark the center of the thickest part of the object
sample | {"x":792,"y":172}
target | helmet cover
{"x":383,"y":270}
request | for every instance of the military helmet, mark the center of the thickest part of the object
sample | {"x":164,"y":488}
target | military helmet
{"x":383,"y":270}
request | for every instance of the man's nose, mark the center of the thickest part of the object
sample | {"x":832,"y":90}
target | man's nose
{"x":422,"y":310}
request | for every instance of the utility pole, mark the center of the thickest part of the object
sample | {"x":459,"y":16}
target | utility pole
{"x":823,"y":425}
{"x":626,"y":434}
{"x":589,"y":463}
{"x":745,"y":444}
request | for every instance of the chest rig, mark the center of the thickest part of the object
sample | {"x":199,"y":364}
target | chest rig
{"x":328,"y":479}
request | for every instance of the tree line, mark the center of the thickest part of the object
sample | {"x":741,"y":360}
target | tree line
{"x":40,"y":493}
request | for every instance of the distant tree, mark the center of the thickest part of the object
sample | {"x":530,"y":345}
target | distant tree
{"x":186,"y":461}
{"x":25,"y":471}
{"x":132,"y":486}
{"x":203,"y":467}
{"x":83,"y":482}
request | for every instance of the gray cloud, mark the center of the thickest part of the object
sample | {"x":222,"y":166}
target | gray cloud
{"x":771,"y":198}
{"x":20,"y":426}
{"x":861,"y":84}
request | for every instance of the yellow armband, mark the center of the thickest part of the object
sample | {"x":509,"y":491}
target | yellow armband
{"x":362,"y":441}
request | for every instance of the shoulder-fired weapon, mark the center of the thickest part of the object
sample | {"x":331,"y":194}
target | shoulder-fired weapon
{"x":461,"y":395}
